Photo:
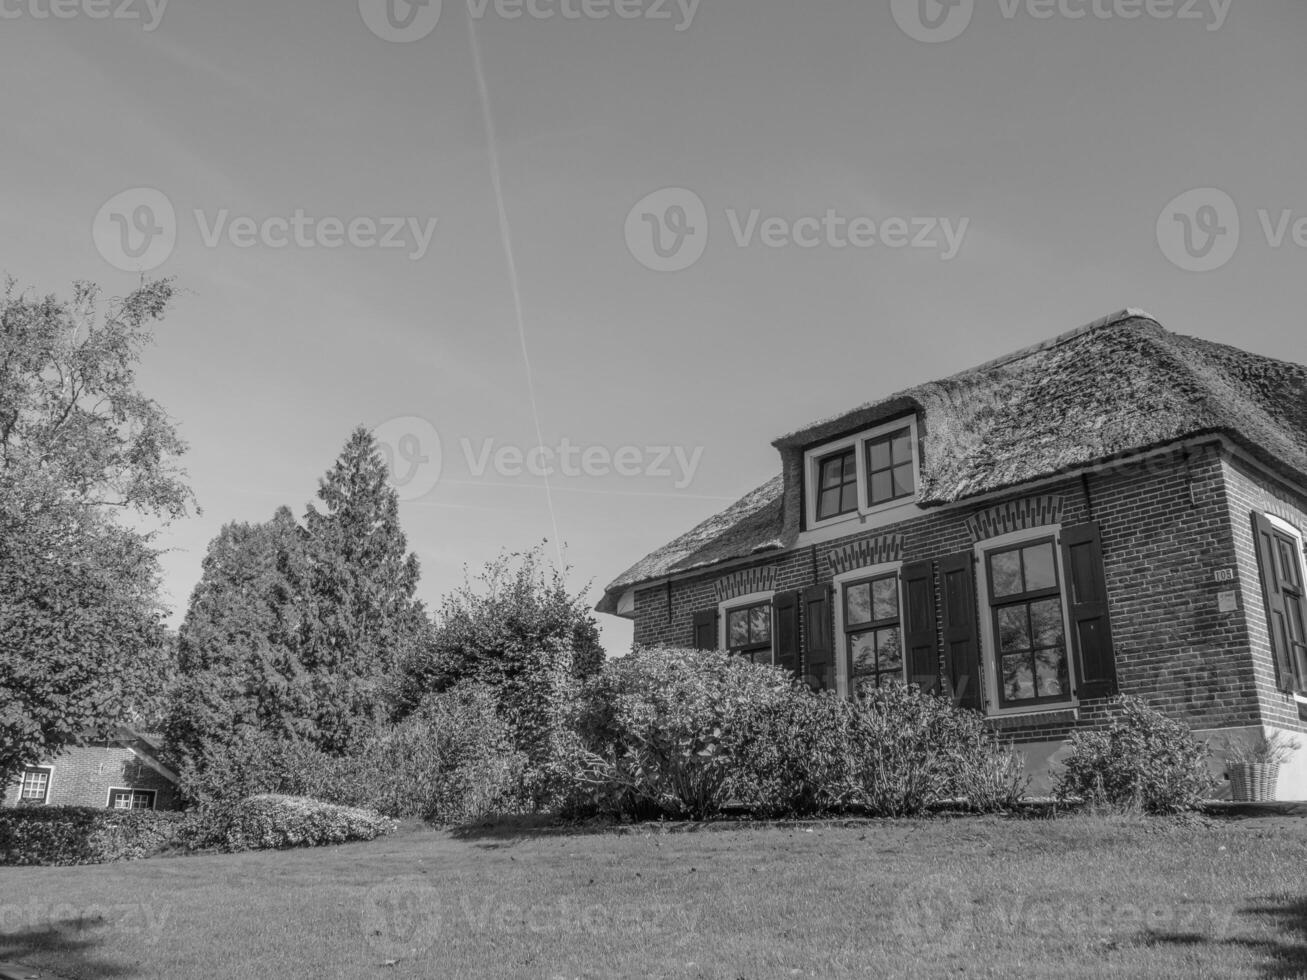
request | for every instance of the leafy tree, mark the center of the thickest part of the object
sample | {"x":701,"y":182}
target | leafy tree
{"x":517,"y":630}
{"x":236,"y":662}
{"x":81,"y":645}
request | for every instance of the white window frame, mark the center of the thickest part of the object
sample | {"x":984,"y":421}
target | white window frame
{"x":154,"y":797}
{"x":894,"y":568}
{"x":988,"y":641}
{"x":740,"y":601}
{"x":49,"y":780}
{"x":858,"y":443}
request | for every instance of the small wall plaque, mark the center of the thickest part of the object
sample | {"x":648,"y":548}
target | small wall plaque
{"x":1225,"y":575}
{"x":1228,"y":602}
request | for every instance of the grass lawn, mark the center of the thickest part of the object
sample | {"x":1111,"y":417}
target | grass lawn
{"x":1075,"y":897}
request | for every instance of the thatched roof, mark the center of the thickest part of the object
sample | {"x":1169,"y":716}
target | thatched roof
{"x":1118,"y":386}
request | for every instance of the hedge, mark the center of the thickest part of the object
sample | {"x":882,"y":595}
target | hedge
{"x":70,"y":835}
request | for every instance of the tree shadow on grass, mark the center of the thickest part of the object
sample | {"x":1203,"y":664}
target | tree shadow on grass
{"x":74,"y":945}
{"x":1286,"y":951}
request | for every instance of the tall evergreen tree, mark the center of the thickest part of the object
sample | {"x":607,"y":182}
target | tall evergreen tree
{"x":361,"y":618}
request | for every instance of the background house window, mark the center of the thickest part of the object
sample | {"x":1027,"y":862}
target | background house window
{"x":748,"y":632}
{"x":1025,"y":601}
{"x":891,"y":473}
{"x":131,"y":799}
{"x":36,"y":786}
{"x":837,"y":487}
{"x":873,"y":639}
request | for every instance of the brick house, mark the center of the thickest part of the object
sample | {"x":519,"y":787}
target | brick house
{"x":119,"y":770}
{"x":1117,"y":510}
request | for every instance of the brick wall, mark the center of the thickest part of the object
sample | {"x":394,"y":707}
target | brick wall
{"x":1166,"y":527}
{"x":1250,"y":490}
{"x":83,"y":776}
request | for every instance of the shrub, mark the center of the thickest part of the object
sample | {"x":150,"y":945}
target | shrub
{"x":905,"y":750}
{"x":270,"y":821}
{"x":989,"y":775}
{"x":795,"y":757}
{"x":68,"y":835}
{"x":1143,"y":761}
{"x":451,"y":761}
{"x":663,"y":732}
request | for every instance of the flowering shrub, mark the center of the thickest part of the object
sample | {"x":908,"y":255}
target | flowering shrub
{"x":269,"y":821}
{"x":1144,"y":761}
{"x":796,"y":757}
{"x":68,"y":835}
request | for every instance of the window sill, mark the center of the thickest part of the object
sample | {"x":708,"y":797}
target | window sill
{"x":1045,"y":716}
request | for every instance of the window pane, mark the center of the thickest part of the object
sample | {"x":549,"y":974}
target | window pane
{"x":1041,"y":572}
{"x":902,"y":446}
{"x":760,"y":624}
{"x":1051,"y":672}
{"x":829,"y":505}
{"x":858,"y":604}
{"x":1018,"y":678}
{"x":1005,"y":571}
{"x":832,"y":472}
{"x":1013,"y":629}
{"x":862,"y":647}
{"x":1046,"y":623}
{"x":904,"y":478}
{"x":878,"y":453}
{"x":886,"y":595}
{"x":739,"y":628}
{"x":889,"y":651}
{"x":882,"y":487}
{"x":849,"y":498}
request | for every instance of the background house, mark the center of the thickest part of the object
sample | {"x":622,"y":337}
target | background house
{"x":119,"y":770}
{"x":1118,"y":510}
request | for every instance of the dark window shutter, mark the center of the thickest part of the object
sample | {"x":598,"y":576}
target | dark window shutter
{"x":786,"y":631}
{"x":705,"y":630}
{"x":1091,"y":631}
{"x":962,"y":668}
{"x":917,"y":583}
{"x":818,"y":644}
{"x":1277,"y":612}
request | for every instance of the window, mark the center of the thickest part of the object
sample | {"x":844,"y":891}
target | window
{"x":837,"y":485}
{"x":1029,"y":631}
{"x":891,"y":472}
{"x":861,"y":474}
{"x":36,"y":786}
{"x":1280,"y":556}
{"x":131,"y":799}
{"x":872,"y":637}
{"x":748,"y":632}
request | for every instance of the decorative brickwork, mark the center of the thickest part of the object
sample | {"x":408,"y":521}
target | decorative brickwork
{"x":1015,"y":515}
{"x":879,"y":550}
{"x":746,"y":583}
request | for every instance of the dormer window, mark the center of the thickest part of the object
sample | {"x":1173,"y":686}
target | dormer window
{"x":866,"y":473}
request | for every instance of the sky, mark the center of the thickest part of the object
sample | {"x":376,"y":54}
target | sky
{"x":645,"y":237}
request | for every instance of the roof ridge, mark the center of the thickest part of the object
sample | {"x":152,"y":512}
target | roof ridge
{"x":1102,"y":323}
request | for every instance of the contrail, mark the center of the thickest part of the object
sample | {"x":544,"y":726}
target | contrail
{"x":506,"y":236}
